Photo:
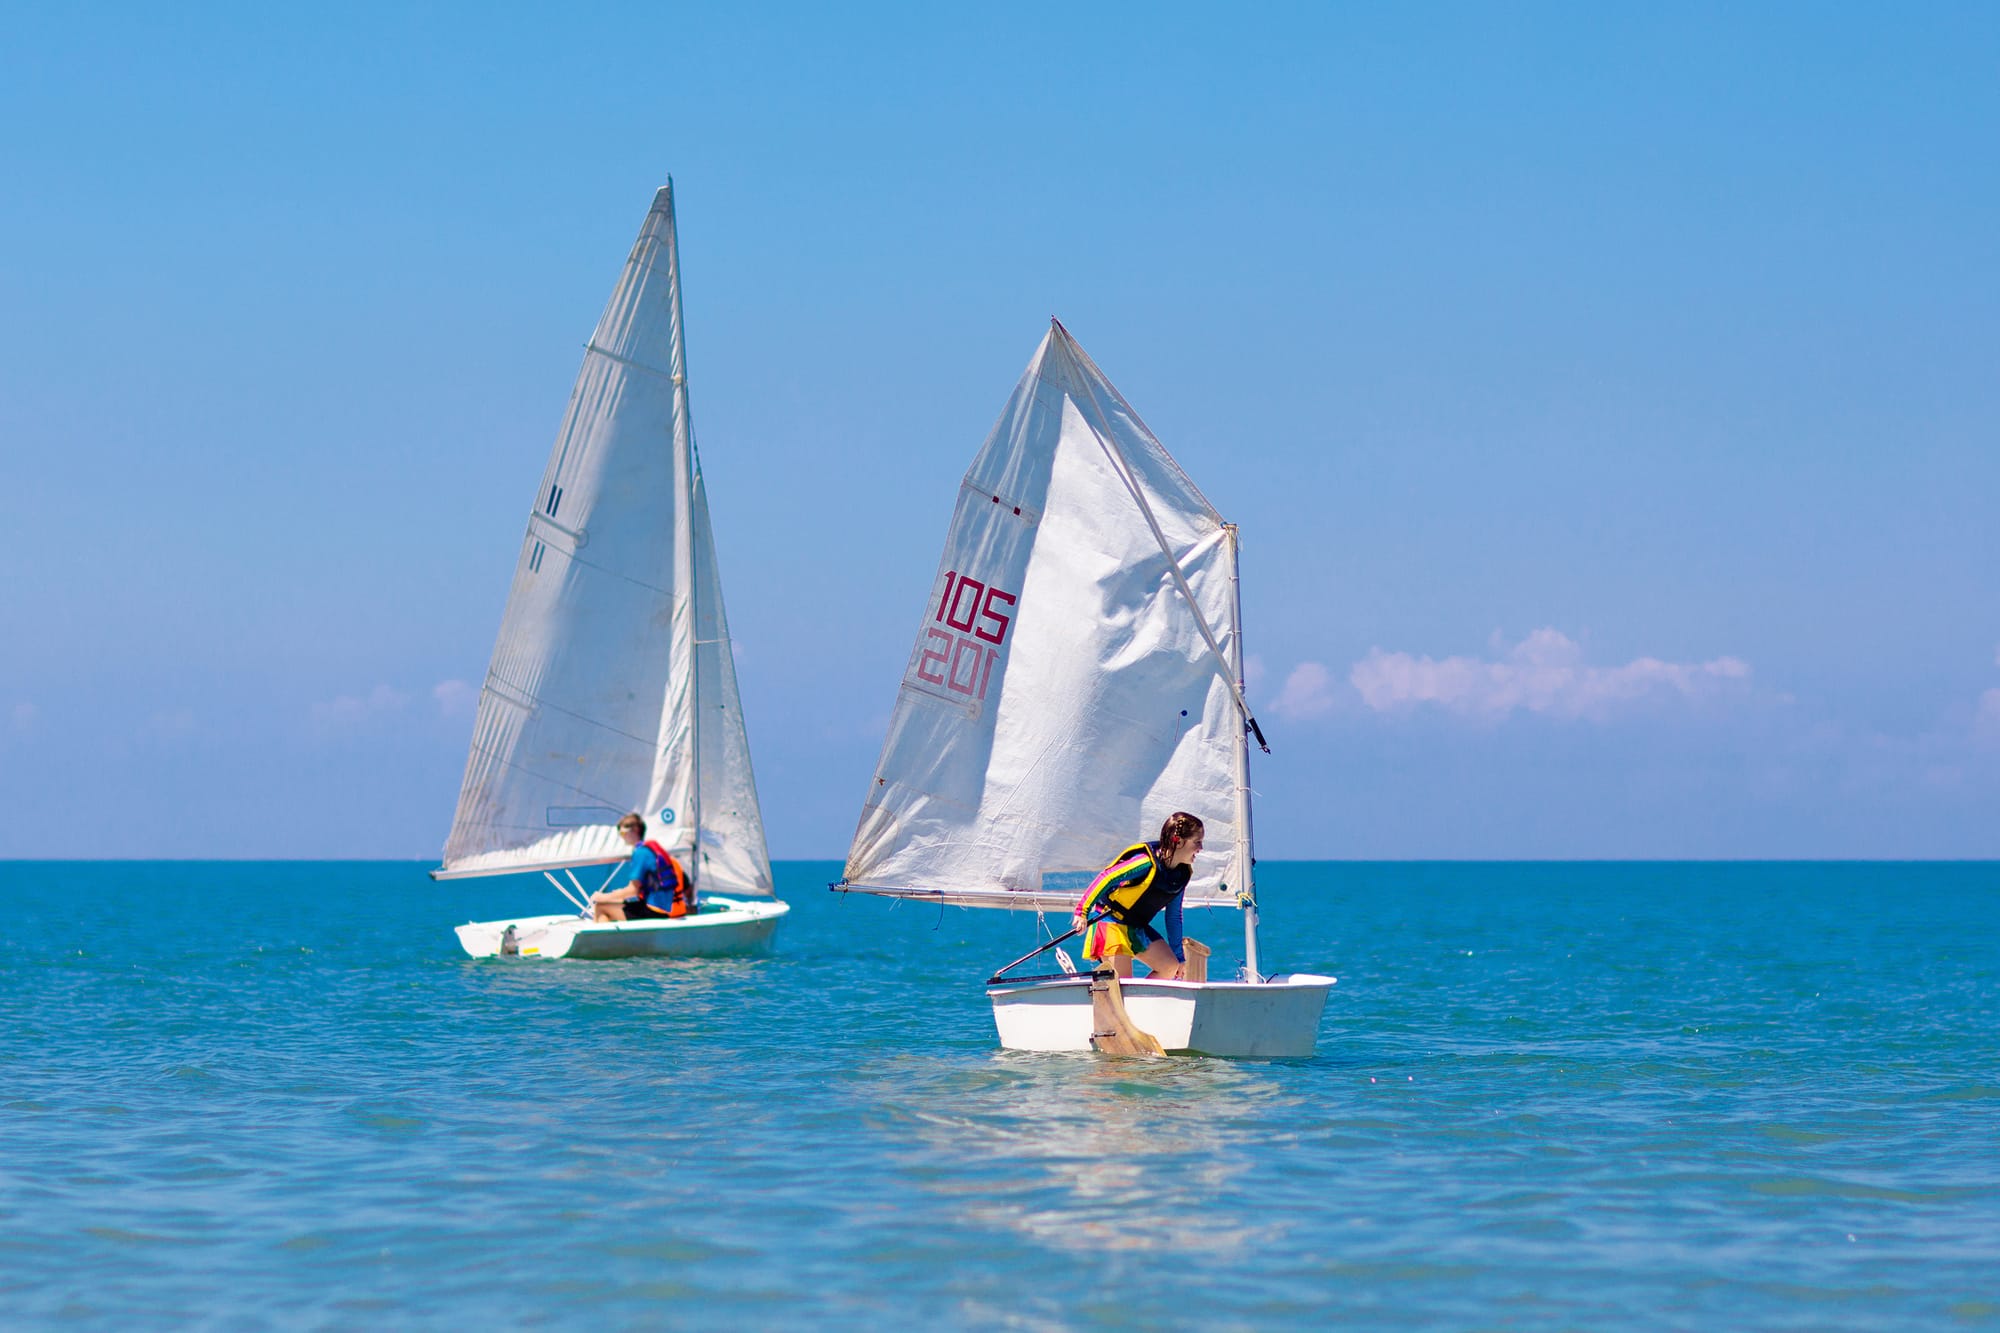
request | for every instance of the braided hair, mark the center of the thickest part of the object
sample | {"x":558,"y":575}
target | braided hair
{"x":1180,"y":826}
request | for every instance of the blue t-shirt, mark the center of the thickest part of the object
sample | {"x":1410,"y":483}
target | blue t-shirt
{"x":646,"y":872}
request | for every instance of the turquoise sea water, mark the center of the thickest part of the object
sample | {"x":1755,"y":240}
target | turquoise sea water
{"x":1546,"y":1096}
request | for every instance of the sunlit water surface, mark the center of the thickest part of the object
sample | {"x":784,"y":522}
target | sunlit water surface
{"x":1596,"y":1096}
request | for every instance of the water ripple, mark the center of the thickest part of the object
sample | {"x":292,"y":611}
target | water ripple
{"x":1546,"y":1097}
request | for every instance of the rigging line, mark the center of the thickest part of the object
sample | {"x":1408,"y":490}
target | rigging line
{"x":574,"y":901}
{"x":1102,"y":431}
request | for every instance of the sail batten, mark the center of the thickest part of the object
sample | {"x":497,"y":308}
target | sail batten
{"x":1066,"y":691}
{"x":614,"y":646}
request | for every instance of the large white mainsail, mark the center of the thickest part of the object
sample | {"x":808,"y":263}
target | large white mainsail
{"x":1076,"y":677}
{"x":612,"y":687}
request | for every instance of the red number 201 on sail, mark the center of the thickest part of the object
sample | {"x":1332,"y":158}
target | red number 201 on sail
{"x":962,"y":661}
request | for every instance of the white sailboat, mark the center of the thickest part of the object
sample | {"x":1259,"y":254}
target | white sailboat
{"x":612,"y":687}
{"x":1077,"y":677}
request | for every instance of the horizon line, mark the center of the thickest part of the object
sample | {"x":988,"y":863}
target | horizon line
{"x":1263,"y":861}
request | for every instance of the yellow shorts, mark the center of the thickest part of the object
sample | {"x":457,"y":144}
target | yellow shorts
{"x":1108,"y":937}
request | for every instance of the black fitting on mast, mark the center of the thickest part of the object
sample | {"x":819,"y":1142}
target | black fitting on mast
{"x":1258,"y":732}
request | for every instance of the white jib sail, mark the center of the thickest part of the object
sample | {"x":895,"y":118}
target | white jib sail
{"x":732,"y":856}
{"x":612,"y":688}
{"x":1062,"y":698}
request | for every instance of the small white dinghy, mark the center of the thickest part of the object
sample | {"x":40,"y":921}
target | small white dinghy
{"x":612,"y":687}
{"x":1078,"y":676}
{"x":1270,"y":1019}
{"x":723,"y":928}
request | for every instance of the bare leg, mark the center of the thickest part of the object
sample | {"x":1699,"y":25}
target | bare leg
{"x":607,"y":906}
{"x":1159,"y":956}
{"x":1121,"y":963}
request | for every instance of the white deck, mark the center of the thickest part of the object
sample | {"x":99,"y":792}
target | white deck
{"x":743,"y":927}
{"x":1277,"y":1018}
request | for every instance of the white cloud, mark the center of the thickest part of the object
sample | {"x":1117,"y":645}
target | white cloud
{"x":1308,"y":693}
{"x":349,"y":711}
{"x":1986,"y":722}
{"x":454,"y":698}
{"x":1544,"y":673}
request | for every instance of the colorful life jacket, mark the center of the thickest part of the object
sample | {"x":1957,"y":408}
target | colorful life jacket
{"x":1118,"y":888}
{"x":668,"y":878}
{"x":1132,"y":889}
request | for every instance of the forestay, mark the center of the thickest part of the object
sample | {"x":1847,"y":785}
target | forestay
{"x":612,"y":687}
{"x":1066,"y":691}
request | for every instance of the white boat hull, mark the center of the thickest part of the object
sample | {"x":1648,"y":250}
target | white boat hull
{"x":742,"y":927}
{"x":1277,"y":1018}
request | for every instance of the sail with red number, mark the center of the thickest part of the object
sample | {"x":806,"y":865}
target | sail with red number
{"x":1075,"y":676}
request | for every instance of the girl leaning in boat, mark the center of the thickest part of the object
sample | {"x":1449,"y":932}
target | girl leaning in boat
{"x":1130,"y":892}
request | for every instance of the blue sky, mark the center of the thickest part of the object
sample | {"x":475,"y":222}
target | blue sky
{"x":1606,"y":395}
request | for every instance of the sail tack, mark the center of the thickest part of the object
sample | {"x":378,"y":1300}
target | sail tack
{"x":1062,"y":697}
{"x":611,"y":686}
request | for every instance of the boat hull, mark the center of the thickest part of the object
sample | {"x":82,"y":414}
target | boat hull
{"x":742,"y":928}
{"x":1274,"y":1019}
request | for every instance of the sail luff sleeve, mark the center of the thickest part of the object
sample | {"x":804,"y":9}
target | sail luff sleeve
{"x":685,"y":474}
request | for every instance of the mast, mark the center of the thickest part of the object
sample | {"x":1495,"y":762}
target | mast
{"x":1246,"y":890}
{"x":685,"y":469}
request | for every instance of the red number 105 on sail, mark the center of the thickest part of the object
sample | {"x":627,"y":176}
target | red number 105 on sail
{"x":975,"y":618}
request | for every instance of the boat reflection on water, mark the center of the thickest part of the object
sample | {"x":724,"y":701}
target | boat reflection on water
{"x":1095,"y":1155}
